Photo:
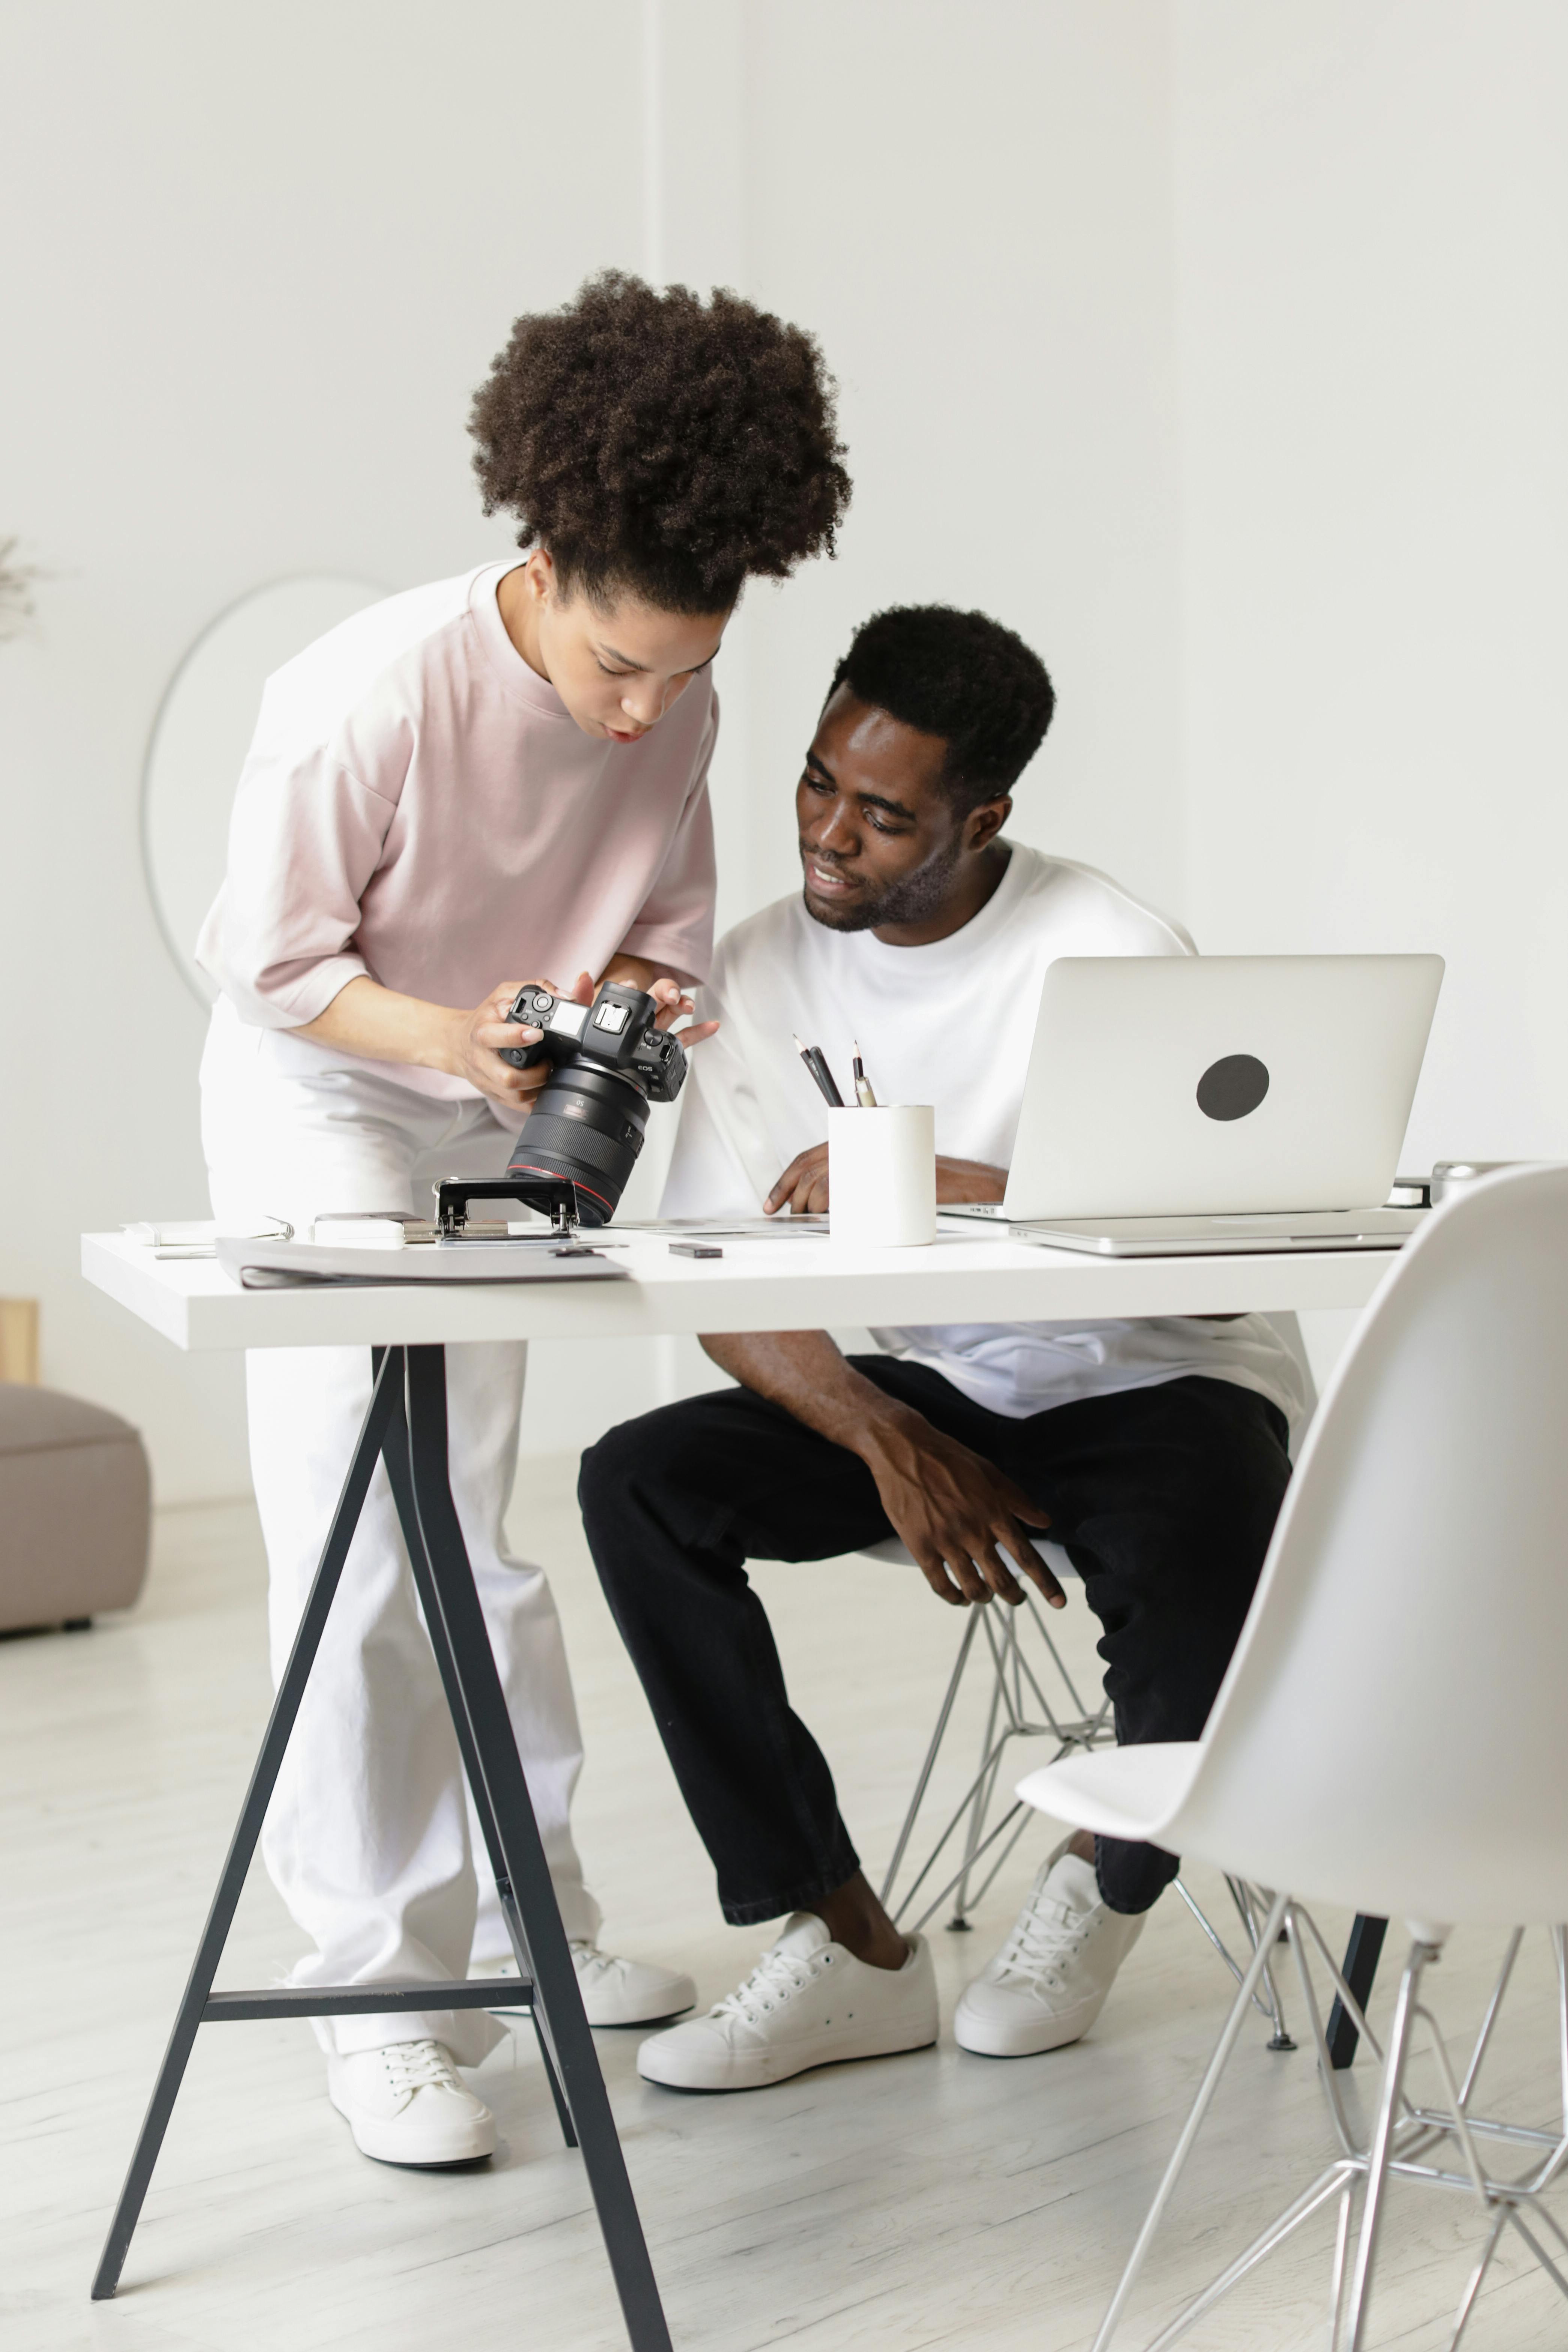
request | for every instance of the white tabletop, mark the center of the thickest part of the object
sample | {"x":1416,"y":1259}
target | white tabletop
{"x":758,"y":1286}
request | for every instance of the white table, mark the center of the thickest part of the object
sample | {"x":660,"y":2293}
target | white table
{"x":800,"y":1283}
{"x":970,"y":1274}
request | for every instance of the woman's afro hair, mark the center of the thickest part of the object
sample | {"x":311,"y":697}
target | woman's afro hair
{"x":656,"y":444}
{"x":960,"y":675}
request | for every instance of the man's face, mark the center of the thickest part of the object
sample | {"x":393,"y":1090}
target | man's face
{"x":880,"y":841}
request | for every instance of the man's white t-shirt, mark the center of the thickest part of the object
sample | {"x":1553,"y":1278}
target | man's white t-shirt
{"x":950,"y":1024}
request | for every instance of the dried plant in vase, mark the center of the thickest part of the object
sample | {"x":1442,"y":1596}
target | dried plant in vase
{"x":17,"y":583}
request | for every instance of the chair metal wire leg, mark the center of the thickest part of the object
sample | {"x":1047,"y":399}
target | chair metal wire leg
{"x":1311,"y":2201}
{"x":1420,"y":1953}
{"x":1019,"y":1706}
{"x":1242,"y":1896}
{"x":923,"y":1782}
{"x":1406,"y":2142}
{"x":1468,"y":2300}
{"x":1490,"y":2020}
{"x":1339,"y":2274}
{"x":1190,"y":2129}
{"x":1539,"y":2251}
{"x":991,"y":1748}
{"x":1260,"y":1999}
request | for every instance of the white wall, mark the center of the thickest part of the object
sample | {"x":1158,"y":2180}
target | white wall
{"x":972,"y":207}
{"x":267,"y":255}
{"x":1373,"y":235}
{"x":254,"y":262}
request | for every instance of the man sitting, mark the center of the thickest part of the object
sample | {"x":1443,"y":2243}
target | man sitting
{"x":1154,"y":1451}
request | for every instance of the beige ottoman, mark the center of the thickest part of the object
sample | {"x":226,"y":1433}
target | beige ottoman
{"x":75,"y":1509}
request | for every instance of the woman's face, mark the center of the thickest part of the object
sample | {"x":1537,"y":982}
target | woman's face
{"x":618,"y":668}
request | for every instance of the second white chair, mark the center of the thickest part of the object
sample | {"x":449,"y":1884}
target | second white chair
{"x":1414,"y":1586}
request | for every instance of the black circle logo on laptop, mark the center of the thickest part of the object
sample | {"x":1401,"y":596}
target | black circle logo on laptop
{"x":1232,"y":1086}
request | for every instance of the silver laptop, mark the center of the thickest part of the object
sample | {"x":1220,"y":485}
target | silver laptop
{"x":1219,"y":1103}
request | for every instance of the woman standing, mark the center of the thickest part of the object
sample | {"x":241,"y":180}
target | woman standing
{"x":497,"y":778}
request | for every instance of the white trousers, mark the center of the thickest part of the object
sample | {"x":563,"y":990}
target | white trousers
{"x":371,"y":1838}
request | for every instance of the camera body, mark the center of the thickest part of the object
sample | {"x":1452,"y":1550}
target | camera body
{"x":616,"y":1031}
{"x":609,"y":1060}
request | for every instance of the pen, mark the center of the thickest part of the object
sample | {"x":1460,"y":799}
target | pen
{"x":863,"y":1095}
{"x":812,"y":1056}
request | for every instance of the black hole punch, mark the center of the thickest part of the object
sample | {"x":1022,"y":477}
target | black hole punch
{"x":1232,"y":1086}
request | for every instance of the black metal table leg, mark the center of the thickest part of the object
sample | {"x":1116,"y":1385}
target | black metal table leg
{"x":448,"y":1592}
{"x":1363,"y":1953}
{"x":406,"y":1425}
{"x":386,"y":1397}
{"x":395,"y":1455}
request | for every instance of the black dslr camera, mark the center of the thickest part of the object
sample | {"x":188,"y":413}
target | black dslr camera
{"x":588,"y":1120}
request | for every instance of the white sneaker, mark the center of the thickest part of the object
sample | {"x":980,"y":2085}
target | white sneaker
{"x":1047,"y":1984}
{"x":406,"y":2103}
{"x":807,"y":2002}
{"x":614,"y":1992}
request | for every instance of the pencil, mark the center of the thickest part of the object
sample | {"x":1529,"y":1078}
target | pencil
{"x":813,"y":1056}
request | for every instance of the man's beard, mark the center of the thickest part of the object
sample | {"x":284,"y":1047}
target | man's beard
{"x":913,"y":900}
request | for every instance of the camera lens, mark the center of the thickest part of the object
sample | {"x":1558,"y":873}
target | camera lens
{"x":587,"y":1124}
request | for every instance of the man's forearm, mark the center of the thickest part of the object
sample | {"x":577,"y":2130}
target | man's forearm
{"x":950,"y":1507}
{"x":807,"y":1375}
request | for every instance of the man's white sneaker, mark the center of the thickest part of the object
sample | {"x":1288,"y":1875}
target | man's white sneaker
{"x":407,"y":2104}
{"x":1047,"y":1984}
{"x":614,"y":1992}
{"x":807,"y":2002}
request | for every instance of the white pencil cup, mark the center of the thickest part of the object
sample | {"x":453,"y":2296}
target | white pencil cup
{"x":881,"y":1175}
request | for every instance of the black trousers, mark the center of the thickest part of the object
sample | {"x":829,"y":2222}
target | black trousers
{"x":1164,"y":1498}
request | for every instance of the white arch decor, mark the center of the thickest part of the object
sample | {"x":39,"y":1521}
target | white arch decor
{"x":199,"y":740}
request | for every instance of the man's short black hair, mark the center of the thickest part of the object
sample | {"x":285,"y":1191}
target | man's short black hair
{"x":661,"y":444}
{"x":960,"y":675}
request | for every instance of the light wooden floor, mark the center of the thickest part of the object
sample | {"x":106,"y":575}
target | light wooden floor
{"x":926,"y":2201}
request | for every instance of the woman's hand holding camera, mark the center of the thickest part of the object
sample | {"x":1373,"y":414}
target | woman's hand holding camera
{"x":381,"y":1026}
{"x":478,"y":1038}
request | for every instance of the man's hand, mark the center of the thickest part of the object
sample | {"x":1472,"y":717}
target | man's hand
{"x":635,"y":971}
{"x":955,"y":1510}
{"x":802,"y":1187}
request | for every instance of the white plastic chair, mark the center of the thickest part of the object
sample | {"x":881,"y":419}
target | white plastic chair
{"x":1033,"y":1695}
{"x":1415,"y":1584}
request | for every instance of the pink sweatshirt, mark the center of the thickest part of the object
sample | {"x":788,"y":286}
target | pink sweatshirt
{"x":416,"y":805}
